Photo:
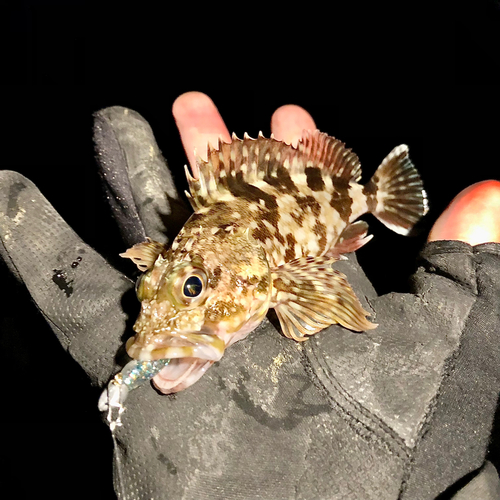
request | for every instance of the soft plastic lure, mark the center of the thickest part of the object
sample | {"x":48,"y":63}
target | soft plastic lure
{"x":134,"y":374}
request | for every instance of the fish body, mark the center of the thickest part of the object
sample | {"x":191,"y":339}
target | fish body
{"x":269,"y":221}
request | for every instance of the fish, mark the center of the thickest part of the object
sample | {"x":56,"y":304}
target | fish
{"x":270,"y":220}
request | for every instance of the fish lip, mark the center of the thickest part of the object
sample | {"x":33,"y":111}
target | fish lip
{"x":201,"y":344}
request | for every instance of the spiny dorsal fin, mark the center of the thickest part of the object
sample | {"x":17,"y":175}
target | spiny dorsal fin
{"x":327,"y":153}
{"x":252,"y":160}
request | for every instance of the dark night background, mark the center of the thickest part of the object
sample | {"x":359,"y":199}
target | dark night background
{"x":54,"y":435}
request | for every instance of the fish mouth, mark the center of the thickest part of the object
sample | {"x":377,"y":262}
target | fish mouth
{"x":202,"y":345}
{"x":180,"y":373}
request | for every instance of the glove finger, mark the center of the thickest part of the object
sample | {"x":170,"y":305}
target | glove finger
{"x":77,"y":291}
{"x":139,"y":185}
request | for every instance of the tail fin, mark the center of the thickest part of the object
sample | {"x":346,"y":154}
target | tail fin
{"x":398,"y":198}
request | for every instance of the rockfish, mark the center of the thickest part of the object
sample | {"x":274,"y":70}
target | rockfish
{"x":269,"y":221}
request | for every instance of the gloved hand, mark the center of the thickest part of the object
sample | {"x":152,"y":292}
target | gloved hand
{"x":403,"y":411}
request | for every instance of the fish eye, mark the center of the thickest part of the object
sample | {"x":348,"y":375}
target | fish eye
{"x":188,"y":286}
{"x":193,"y":286}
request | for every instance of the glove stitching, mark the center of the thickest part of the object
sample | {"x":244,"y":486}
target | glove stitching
{"x":470,"y":289}
{"x":9,"y":262}
{"x":60,"y":334}
{"x":488,"y":248}
{"x":448,"y":368}
{"x":360,"y":419}
{"x":442,"y":247}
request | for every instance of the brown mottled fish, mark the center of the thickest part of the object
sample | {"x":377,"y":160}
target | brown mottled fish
{"x":269,"y":221}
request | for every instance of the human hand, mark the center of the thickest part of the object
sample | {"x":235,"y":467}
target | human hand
{"x":316,"y":404}
{"x":472,"y":217}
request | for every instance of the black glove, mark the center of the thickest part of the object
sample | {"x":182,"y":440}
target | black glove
{"x":404,"y":411}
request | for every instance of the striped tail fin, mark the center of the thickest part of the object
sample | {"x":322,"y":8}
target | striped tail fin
{"x":395,"y":194}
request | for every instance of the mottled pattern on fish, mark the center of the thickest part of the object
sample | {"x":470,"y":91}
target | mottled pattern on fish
{"x":292,"y":203}
{"x":269,"y":221}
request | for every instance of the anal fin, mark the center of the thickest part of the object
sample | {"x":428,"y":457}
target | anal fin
{"x":352,"y":238}
{"x":309,"y":295}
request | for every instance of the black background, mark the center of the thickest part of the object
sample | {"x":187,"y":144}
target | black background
{"x":52,"y":429}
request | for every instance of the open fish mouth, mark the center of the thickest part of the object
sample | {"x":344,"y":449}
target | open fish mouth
{"x":180,"y":373}
{"x":201,"y":345}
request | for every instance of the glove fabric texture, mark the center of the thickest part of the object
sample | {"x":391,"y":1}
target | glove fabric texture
{"x":402,"y":412}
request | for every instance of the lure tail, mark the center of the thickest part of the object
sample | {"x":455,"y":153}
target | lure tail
{"x":395,"y":194}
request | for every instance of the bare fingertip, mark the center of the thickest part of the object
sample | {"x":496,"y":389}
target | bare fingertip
{"x":289,"y":121}
{"x":473,"y":216}
{"x":189,"y":100}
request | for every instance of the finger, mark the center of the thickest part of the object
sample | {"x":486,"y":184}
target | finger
{"x":136,"y":177}
{"x":473,"y":216}
{"x":199,"y":122}
{"x":78,"y":292}
{"x":289,"y":121}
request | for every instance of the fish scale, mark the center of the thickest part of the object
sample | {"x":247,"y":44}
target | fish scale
{"x":270,"y":220}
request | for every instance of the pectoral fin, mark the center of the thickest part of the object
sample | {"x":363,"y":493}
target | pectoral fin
{"x":308,"y":296}
{"x":144,"y":255}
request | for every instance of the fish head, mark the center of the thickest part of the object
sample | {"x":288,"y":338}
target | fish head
{"x":196,"y":303}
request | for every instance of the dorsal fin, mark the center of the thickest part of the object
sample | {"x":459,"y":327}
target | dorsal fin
{"x":252,"y":160}
{"x":327,"y":153}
